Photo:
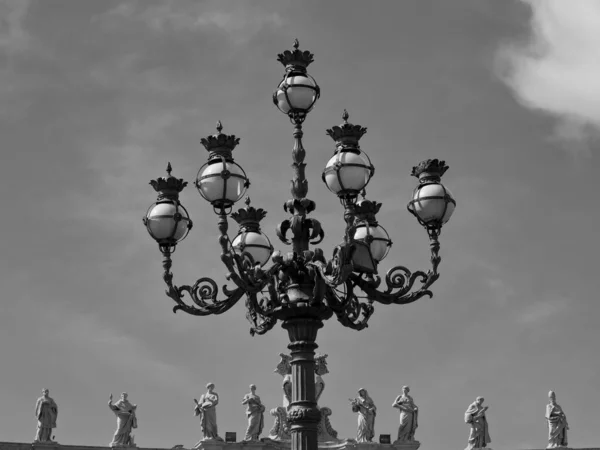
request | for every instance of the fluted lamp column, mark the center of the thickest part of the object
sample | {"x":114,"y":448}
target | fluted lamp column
{"x":295,"y":96}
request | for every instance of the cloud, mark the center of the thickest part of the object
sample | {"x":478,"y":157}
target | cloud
{"x":556,"y":70}
{"x":502,"y":291}
{"x":240,"y":20}
{"x":541,"y":311}
{"x":13,"y":36}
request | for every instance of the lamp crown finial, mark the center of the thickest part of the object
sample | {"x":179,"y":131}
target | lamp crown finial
{"x":249,"y":217}
{"x":220,"y":143}
{"x":367,"y":210}
{"x":168,"y":187}
{"x":296,"y":60}
{"x":430,"y":169}
{"x":347,"y":135}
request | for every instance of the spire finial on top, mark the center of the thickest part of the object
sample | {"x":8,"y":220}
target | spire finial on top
{"x":347,"y":135}
{"x":168,"y":187}
{"x":219,"y":126}
{"x":295,"y":59}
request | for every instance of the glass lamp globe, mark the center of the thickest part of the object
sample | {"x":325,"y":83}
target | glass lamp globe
{"x":432,"y":204}
{"x":297,"y":92}
{"x":168,"y":222}
{"x":221,"y":182}
{"x":377,"y":238}
{"x":347,"y":173}
{"x":254,"y":243}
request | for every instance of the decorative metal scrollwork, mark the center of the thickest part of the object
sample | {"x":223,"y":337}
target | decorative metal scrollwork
{"x":334,"y":282}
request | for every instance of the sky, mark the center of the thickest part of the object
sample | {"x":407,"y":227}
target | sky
{"x":97,"y":97}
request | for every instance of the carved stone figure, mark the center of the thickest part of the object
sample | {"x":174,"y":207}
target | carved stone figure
{"x":320,"y":369}
{"x":366,"y":409}
{"x":206,"y":409}
{"x":280,"y":431}
{"x":409,"y":415}
{"x":479,"y":436}
{"x":557,"y":423}
{"x":46,"y":412}
{"x":284,"y":368}
{"x":255,"y":411}
{"x":126,"y":421}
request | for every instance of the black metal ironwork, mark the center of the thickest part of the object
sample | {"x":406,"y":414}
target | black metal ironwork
{"x":302,"y":288}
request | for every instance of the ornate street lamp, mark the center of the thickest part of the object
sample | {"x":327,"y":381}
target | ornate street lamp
{"x":300,"y":288}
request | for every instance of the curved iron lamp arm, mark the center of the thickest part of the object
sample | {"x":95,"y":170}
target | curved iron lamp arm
{"x":203,"y":293}
{"x":400,"y":280}
{"x":248,"y":277}
{"x":256,"y":315}
{"x":349,"y":310}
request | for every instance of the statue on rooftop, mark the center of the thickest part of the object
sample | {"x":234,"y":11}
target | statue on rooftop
{"x":366,"y":409}
{"x":206,"y":410}
{"x":46,"y":412}
{"x":557,"y":423}
{"x":255,"y":411}
{"x":479,"y":436}
{"x":126,"y":421}
{"x":409,"y":414}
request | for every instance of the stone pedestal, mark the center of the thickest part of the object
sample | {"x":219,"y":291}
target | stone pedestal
{"x":45,"y":445}
{"x":269,"y":444}
{"x":211,"y":444}
{"x":412,"y":445}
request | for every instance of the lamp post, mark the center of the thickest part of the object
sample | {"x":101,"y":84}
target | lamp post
{"x":301,"y":288}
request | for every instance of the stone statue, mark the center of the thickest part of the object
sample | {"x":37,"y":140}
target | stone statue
{"x":320,"y":369}
{"x":557,"y":423}
{"x":46,"y":412}
{"x":366,"y":409}
{"x":284,"y":368}
{"x":126,"y":421}
{"x":255,"y":411}
{"x":475,"y":416}
{"x":206,"y":409}
{"x":409,"y":415}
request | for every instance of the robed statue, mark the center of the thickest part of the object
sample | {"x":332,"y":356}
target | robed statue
{"x":126,"y":421}
{"x":557,"y":423}
{"x":46,"y":412}
{"x":479,"y":436}
{"x":255,"y":411}
{"x":409,"y":415}
{"x":206,"y":410}
{"x":366,"y":409}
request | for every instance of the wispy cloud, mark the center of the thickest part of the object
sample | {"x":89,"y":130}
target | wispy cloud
{"x":13,"y":36}
{"x":239,"y":20}
{"x":541,"y":311}
{"x":502,"y":291}
{"x":557,"y":68}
